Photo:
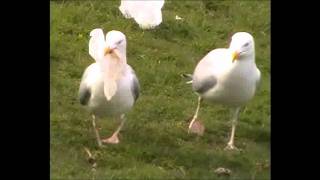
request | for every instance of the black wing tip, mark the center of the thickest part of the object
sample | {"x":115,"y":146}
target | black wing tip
{"x":188,"y":76}
{"x":136,"y":91}
{"x":84,"y":98}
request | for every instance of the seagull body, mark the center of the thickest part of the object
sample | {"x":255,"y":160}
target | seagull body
{"x":109,"y":87}
{"x":220,"y":81}
{"x":147,"y":13}
{"x":121,"y":102}
{"x":228,"y":76}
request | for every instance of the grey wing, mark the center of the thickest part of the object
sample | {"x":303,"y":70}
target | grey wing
{"x":84,"y":91}
{"x":203,"y":85}
{"x":203,"y":77}
{"x":135,"y":86}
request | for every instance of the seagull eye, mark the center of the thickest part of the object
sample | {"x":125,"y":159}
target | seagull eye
{"x":246,"y":44}
{"x":119,"y":42}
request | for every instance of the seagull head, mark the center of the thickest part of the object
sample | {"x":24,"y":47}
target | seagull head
{"x":241,"y":46}
{"x":115,"y":44}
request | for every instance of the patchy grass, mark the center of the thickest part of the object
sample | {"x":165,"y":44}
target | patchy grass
{"x":155,"y":143}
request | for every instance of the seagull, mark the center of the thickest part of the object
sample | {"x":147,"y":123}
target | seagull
{"x":147,"y":13}
{"x":109,"y":87}
{"x":227,"y":76}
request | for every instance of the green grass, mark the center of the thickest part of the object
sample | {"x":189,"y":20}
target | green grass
{"x":154,"y":141}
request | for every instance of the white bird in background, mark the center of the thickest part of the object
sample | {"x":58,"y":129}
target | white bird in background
{"x":109,"y":87}
{"x":147,"y":13}
{"x":227,"y":76}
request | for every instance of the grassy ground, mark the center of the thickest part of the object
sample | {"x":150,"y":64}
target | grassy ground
{"x":155,"y":143}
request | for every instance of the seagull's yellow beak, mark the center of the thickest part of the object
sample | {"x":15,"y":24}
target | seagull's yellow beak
{"x":107,"y":51}
{"x":235,"y":56}
{"x":112,"y":52}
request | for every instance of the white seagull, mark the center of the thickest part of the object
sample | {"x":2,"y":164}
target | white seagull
{"x":109,"y":87}
{"x":227,"y":76}
{"x":147,"y":13}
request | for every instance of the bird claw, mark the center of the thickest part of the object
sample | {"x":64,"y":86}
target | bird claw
{"x":231,"y":147}
{"x":111,"y":140}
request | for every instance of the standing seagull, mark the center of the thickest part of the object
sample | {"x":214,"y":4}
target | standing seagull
{"x":227,"y":76}
{"x":109,"y":87}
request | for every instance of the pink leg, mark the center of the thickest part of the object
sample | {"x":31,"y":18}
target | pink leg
{"x":114,"y":138}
